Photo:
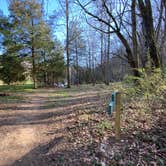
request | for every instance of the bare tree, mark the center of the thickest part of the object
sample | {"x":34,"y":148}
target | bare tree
{"x":115,"y":24}
{"x":67,"y":44}
{"x":134,"y":32}
{"x":149,"y":32}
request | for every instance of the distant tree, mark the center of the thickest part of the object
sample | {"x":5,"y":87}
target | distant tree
{"x":11,"y":69}
{"x":77,"y":45}
{"x":51,"y":65}
{"x":63,"y":16}
{"x":92,"y":54}
{"x":56,"y":67}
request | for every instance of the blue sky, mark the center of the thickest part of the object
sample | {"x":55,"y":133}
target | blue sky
{"x":4,"y":7}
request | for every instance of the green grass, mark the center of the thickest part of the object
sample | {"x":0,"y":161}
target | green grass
{"x":59,"y":94}
{"x":103,"y":126}
{"x":16,"y":88}
{"x":28,"y":87}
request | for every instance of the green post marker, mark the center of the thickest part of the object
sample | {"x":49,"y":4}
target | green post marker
{"x":113,"y":96}
{"x":111,"y":108}
{"x":112,"y":103}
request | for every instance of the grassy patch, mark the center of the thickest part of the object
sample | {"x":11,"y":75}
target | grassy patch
{"x":104,"y":126}
{"x":16,"y":88}
{"x":59,"y":94}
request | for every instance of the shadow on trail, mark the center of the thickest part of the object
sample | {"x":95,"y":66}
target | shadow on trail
{"x":53,"y":104}
{"x":54,"y":115}
{"x":41,"y":156}
{"x":37,"y":156}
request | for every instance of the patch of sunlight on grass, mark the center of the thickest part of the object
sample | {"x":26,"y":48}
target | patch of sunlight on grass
{"x":29,"y":81}
{"x":59,"y":94}
{"x":1,"y":82}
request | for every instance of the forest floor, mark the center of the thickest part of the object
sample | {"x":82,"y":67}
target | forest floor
{"x":70,"y":127}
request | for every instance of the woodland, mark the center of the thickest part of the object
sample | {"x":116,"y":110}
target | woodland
{"x":83,"y":83}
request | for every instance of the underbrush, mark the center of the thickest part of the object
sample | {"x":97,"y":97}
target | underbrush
{"x":150,"y":88}
{"x":143,"y":124}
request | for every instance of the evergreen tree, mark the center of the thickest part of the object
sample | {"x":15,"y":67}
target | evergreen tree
{"x":51,"y":64}
{"x":27,"y":19}
{"x":11,"y":69}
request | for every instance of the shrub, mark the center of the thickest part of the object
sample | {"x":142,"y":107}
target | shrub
{"x":149,"y":85}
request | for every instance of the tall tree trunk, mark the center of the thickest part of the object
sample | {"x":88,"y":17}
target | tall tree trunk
{"x":149,"y":34}
{"x":129,"y":55}
{"x":101,"y":55}
{"x":67,"y":44}
{"x":93,"y":71}
{"x":34,"y":68}
{"x":163,"y":38}
{"x":77,"y":67}
{"x":134,"y":32}
{"x":33,"y":58}
{"x":107,"y":73}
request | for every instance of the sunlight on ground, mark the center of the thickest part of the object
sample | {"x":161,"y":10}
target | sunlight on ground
{"x":1,"y":82}
{"x":16,"y":143}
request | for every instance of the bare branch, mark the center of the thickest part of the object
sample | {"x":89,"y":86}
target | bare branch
{"x":96,"y":17}
{"x":110,"y":14}
{"x":98,"y":29}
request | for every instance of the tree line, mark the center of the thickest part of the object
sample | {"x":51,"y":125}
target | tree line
{"x":103,"y":40}
{"x":26,"y":36}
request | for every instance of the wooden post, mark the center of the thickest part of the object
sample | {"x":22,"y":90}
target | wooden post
{"x":117,"y":115}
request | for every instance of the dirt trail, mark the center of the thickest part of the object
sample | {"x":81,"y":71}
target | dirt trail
{"x":18,"y":136}
{"x":70,"y":128}
{"x":48,"y":128}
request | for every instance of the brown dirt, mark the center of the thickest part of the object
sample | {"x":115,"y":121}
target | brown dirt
{"x":18,"y":136}
{"x":36,"y":132}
